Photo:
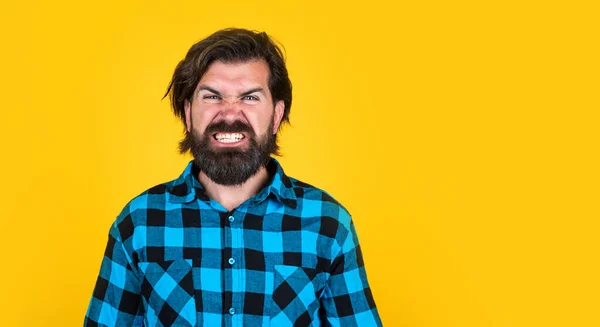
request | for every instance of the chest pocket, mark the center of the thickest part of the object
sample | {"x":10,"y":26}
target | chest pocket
{"x":296,"y":293}
{"x":168,"y":291}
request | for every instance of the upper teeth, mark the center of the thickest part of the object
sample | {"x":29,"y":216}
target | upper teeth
{"x":229,"y":137}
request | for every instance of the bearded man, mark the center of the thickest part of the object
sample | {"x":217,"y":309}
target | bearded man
{"x":233,"y":241}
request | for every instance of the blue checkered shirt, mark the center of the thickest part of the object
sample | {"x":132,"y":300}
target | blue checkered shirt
{"x":288,"y":256}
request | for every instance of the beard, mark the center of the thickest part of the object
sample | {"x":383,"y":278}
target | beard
{"x":229,"y":165}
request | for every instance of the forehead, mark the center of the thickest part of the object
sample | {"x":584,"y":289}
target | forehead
{"x":238,"y":75}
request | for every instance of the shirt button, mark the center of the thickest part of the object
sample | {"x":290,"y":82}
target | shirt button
{"x":231,"y":311}
{"x":231,"y":261}
{"x":231,"y":219}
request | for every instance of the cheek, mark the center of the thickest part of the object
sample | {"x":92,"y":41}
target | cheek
{"x":201,"y":117}
{"x":261,"y":124}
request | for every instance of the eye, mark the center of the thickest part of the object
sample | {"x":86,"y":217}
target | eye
{"x":250,"y":98}
{"x":211,"y":98}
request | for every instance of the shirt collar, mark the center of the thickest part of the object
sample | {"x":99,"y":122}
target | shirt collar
{"x":186,"y":188}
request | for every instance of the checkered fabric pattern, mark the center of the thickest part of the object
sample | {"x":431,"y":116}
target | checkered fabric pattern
{"x":289,"y":256}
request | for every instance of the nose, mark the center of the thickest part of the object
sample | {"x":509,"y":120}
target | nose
{"x":231,"y":110}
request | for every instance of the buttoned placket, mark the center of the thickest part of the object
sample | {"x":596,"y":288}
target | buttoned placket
{"x":234,"y":268}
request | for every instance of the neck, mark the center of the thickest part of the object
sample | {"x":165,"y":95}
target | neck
{"x":232,"y":196}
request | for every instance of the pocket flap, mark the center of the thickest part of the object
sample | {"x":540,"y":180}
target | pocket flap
{"x":296,"y":272}
{"x":160,"y":267}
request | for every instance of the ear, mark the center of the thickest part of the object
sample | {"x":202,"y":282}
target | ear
{"x":188,"y":112}
{"x":278,"y":115}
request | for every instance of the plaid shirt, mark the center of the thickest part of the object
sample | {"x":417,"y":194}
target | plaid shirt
{"x":288,"y":256}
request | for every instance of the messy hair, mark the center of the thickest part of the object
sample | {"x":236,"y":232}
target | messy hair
{"x":232,"y":45}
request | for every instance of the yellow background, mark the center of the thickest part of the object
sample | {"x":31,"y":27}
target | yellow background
{"x":462,"y":135}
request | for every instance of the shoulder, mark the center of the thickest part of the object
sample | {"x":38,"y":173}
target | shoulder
{"x":313,"y":201}
{"x":142,"y":209}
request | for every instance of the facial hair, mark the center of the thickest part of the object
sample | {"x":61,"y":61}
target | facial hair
{"x":229,"y":165}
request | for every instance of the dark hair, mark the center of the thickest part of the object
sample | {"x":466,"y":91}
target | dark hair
{"x":231,"y":45}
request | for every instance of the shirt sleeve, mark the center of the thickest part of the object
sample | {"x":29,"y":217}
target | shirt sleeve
{"x":347,"y":299}
{"x":116,"y":300}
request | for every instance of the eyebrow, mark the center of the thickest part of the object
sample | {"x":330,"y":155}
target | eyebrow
{"x":208,"y":88}
{"x":256,"y":89}
{"x":250,"y":91}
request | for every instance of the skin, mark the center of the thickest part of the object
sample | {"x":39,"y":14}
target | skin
{"x":230,"y":92}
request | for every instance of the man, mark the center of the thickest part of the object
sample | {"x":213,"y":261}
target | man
{"x":233,"y":241}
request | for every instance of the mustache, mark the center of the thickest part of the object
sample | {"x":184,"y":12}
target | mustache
{"x":235,"y":127}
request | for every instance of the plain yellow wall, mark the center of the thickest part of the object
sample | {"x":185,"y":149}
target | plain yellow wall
{"x":463,"y":136}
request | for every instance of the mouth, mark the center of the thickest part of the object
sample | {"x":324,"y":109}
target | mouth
{"x":229,"y":138}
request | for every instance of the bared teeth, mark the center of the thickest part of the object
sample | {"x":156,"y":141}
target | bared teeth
{"x":229,"y":137}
